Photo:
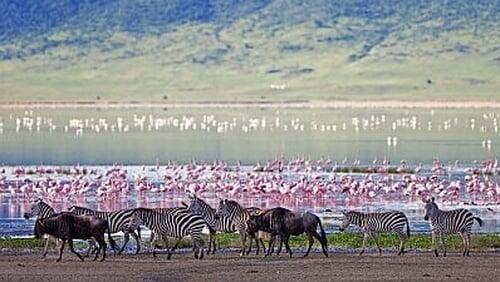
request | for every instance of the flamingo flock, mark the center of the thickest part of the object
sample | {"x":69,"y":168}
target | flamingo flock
{"x":484,"y":125}
{"x":277,"y":179}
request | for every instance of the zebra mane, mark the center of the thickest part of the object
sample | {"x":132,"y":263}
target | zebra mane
{"x":233,"y":205}
{"x":44,"y":204}
{"x":205,"y":204}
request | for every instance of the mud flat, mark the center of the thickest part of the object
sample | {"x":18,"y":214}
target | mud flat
{"x":228,"y":266}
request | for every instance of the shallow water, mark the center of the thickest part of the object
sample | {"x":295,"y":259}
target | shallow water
{"x":329,"y":207}
{"x":140,"y":136}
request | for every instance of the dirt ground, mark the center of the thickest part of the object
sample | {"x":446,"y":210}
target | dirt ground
{"x":229,"y":266}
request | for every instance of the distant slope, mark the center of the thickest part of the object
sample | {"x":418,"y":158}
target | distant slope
{"x":249,"y":50}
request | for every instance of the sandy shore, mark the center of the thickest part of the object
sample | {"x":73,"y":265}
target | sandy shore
{"x":258,"y":104}
{"x":230,"y":267}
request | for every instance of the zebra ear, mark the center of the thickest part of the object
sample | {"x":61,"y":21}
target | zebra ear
{"x":432,"y":199}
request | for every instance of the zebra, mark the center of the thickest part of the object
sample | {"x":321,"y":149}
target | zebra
{"x":450,"y":222}
{"x":118,"y":221}
{"x":236,"y":217}
{"x":214,"y":222}
{"x":177,"y":225}
{"x":42,"y":210}
{"x":372,"y":223}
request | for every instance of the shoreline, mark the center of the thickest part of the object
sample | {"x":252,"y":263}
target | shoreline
{"x":291,"y":104}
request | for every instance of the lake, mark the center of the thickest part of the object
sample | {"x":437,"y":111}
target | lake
{"x":97,"y":138}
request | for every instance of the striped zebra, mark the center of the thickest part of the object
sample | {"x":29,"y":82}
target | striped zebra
{"x":237,"y":217}
{"x":118,"y":222}
{"x":373,"y":223}
{"x":171,"y":211}
{"x":42,"y":210}
{"x":215,"y":223}
{"x":177,"y":225}
{"x":458,"y":221}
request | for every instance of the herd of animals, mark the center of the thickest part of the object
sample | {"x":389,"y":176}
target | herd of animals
{"x":253,"y":225}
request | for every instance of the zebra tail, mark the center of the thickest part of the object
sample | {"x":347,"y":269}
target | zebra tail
{"x":112,"y":242}
{"x":480,"y":221}
{"x":407,"y":227}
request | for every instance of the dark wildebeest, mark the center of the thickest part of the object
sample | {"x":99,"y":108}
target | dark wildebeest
{"x":283,"y":222}
{"x":68,"y":226}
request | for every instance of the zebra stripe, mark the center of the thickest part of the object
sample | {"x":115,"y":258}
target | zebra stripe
{"x":237,"y":217}
{"x":372,"y":223}
{"x":214,"y":222}
{"x":118,"y":221}
{"x":176,"y":225}
{"x":42,"y":210}
{"x":458,"y":221}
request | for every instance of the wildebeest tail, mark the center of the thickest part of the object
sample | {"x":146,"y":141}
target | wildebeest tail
{"x":323,"y":234}
{"x":480,"y":221}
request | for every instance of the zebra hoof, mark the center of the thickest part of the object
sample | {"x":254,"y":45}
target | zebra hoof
{"x":436,"y":253}
{"x":169,"y":256}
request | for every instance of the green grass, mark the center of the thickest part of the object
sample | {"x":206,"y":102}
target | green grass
{"x":338,"y":240}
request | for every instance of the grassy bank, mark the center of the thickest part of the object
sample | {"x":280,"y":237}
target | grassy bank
{"x":337,"y":240}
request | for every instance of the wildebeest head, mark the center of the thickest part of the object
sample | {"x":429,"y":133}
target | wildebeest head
{"x":39,"y":228}
{"x":252,"y":224}
{"x":431,"y":209}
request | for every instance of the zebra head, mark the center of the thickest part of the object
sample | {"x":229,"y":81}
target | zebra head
{"x":39,"y":208}
{"x":350,"y":217}
{"x":228,"y":209}
{"x":197,"y":205}
{"x":431,"y":209}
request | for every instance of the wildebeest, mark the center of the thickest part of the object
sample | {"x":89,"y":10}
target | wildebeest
{"x":68,"y":226}
{"x":283,"y":222}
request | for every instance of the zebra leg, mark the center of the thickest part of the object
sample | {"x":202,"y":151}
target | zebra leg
{"x":443,"y":243}
{"x":154,"y":239}
{"x":70,"y":243}
{"x":433,"y":237}
{"x":468,"y":243}
{"x":174,"y":247}
{"x":311,"y":242}
{"x":374,"y":237}
{"x":243,"y":238}
{"x":46,"y":247}
{"x":61,"y":251}
{"x":259,"y":240}
{"x":402,"y":239}
{"x":250,"y":245}
{"x":365,"y":239}
{"x":90,"y":243}
{"x":464,"y":242}
{"x":210,"y":238}
{"x":126,"y":237}
{"x":138,"y":242}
